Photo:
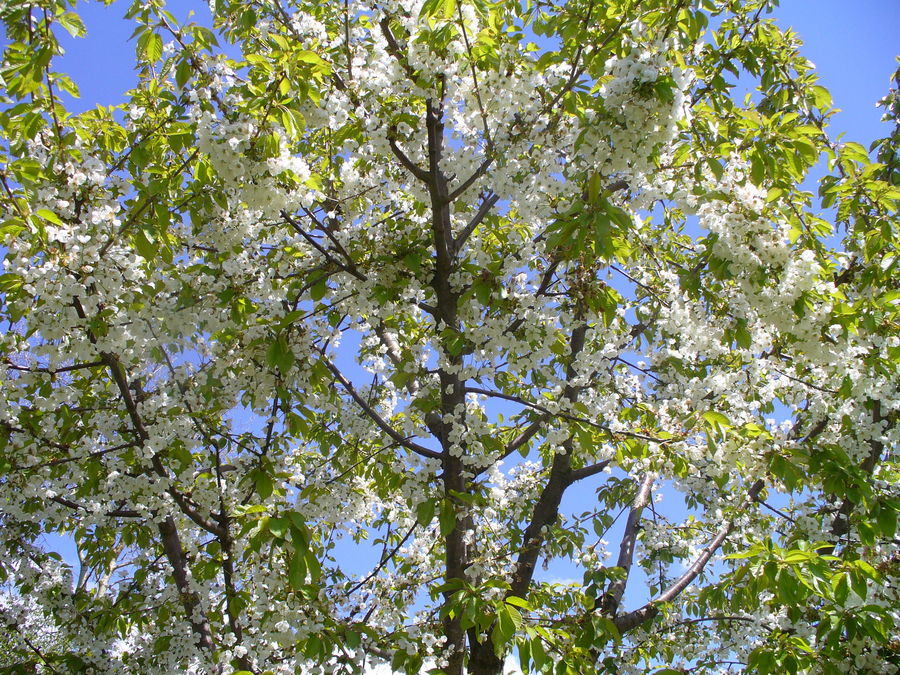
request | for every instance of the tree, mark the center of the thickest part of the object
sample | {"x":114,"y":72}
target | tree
{"x":355,"y":271}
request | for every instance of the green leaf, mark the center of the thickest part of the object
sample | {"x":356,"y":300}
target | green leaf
{"x":10,"y":282}
{"x":507,"y":622}
{"x":183,"y":72}
{"x":146,"y":243}
{"x":447,"y":517}
{"x":150,"y":46}
{"x":318,"y":290}
{"x":741,"y":335}
{"x":482,"y":292}
{"x":434,"y":8}
{"x":425,"y":512}
{"x":280,"y":355}
{"x":312,"y":565}
{"x":798,"y":556}
{"x":886,"y":518}
{"x":297,"y":570}
{"x":840,"y":587}
{"x":856,"y":152}
{"x":278,"y":526}
{"x":716,"y":419}
{"x":72,"y":23}
{"x":263,"y":483}
{"x":306,"y":56}
{"x":49,"y":216}
{"x":518,"y":602}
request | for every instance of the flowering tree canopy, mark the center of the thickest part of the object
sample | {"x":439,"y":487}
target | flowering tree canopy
{"x":357,"y":314}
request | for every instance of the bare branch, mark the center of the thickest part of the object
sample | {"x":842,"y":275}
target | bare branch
{"x":407,"y":163}
{"x":374,"y":416}
{"x":638,"y":616}
{"x":588,"y":471}
{"x":478,"y":173}
{"x":613,"y":596}
{"x":384,"y":561}
{"x":486,"y":205}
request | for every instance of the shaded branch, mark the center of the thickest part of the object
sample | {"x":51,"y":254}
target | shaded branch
{"x":115,"y":513}
{"x":546,"y":509}
{"x":407,"y":163}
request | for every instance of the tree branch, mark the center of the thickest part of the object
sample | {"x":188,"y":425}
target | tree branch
{"x":626,"y":622}
{"x":611,"y":599}
{"x":486,"y":205}
{"x":393,"y":48}
{"x":546,"y":509}
{"x":407,"y":163}
{"x":384,"y":561}
{"x":478,"y":173}
{"x":374,"y":416}
{"x":115,"y":513}
{"x":588,"y":471}
{"x":167,"y":529}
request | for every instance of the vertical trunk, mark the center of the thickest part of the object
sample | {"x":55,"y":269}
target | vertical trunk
{"x":484,"y":661}
{"x":455,"y":567}
{"x":452,"y":393}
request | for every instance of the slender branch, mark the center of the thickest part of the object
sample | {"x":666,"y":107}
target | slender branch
{"x":393,"y":48}
{"x":478,"y":173}
{"x":50,"y":93}
{"x":407,"y":163}
{"x":37,"y":651}
{"x":527,"y":434}
{"x":395,"y":355}
{"x":775,"y":511}
{"x":115,"y":513}
{"x":566,"y":416}
{"x":384,"y":561}
{"x":347,"y":40}
{"x":484,"y":119}
{"x":546,"y":282}
{"x":374,"y":416}
{"x":638,"y":616}
{"x":486,"y":205}
{"x":588,"y":471}
{"x":54,"y":371}
{"x":610,"y":601}
{"x":65,"y":460}
{"x":167,"y":528}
